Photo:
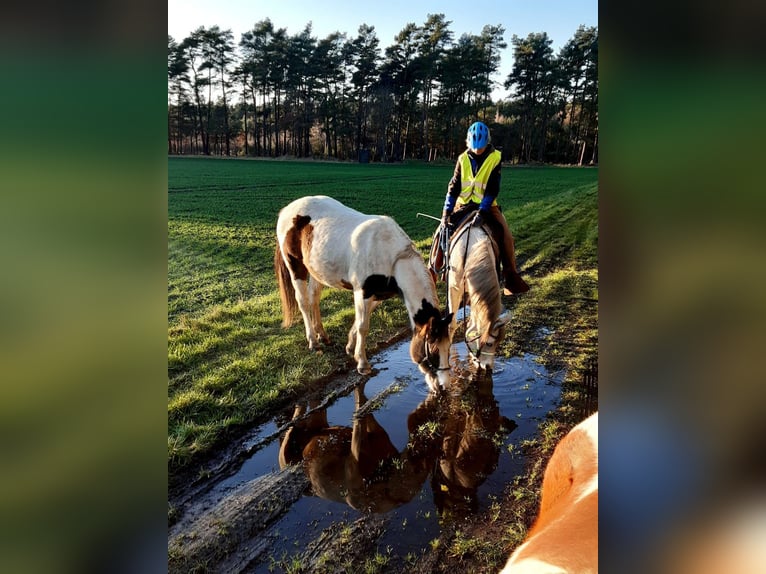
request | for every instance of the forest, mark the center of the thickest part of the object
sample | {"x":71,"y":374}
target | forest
{"x":277,"y":95}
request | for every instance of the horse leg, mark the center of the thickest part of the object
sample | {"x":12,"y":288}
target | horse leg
{"x":356,"y":435}
{"x":304,"y":304}
{"x":362,"y":309}
{"x":455,"y":299}
{"x":315,"y":293}
{"x":351,"y":344}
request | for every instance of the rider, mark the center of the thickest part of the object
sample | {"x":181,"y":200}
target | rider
{"x":476,"y":181}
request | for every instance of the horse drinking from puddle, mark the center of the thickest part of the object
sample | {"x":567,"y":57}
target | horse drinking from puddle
{"x":472,"y":278}
{"x":322,"y":242}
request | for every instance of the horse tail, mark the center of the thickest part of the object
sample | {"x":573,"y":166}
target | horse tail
{"x":286,"y":288}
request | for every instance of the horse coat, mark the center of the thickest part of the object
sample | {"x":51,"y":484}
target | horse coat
{"x":564,"y":539}
{"x":321,"y":242}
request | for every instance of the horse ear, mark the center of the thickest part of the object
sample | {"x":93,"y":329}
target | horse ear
{"x":424,"y":328}
{"x":448,"y":318}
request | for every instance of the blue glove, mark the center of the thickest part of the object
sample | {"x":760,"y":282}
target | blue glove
{"x":449,"y":203}
{"x":486,"y":203}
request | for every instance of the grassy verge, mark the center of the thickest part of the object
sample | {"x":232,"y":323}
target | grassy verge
{"x":230,"y":364}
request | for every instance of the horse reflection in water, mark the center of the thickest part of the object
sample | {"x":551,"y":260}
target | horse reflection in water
{"x":359,"y":466}
{"x":453,"y":437}
{"x":470,"y":447}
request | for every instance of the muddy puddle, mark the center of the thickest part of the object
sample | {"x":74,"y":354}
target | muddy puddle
{"x":383,"y":464}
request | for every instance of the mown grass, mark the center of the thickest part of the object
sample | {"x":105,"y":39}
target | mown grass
{"x":229,"y":361}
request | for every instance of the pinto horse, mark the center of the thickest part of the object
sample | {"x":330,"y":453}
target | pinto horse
{"x":564,"y":539}
{"x":473,"y":279}
{"x":321,"y":242}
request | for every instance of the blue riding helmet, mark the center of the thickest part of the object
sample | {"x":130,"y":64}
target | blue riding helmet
{"x":478,"y":136}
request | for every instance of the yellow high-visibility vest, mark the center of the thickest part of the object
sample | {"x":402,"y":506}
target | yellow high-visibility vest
{"x":473,"y":186}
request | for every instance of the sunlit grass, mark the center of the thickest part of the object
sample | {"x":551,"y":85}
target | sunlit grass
{"x":230,"y":363}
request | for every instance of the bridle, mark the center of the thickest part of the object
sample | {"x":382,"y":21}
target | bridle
{"x":474,"y":348}
{"x":428,"y":358}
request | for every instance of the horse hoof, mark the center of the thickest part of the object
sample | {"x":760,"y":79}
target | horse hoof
{"x":364,"y":370}
{"x":316,"y":348}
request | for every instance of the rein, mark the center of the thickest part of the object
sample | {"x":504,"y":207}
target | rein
{"x":467,"y":232}
{"x":470,"y":336}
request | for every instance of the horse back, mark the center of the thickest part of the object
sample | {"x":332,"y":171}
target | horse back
{"x":463,"y":233}
{"x":338,"y":245}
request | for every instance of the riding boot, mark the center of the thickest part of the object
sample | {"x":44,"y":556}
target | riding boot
{"x":514,"y":284}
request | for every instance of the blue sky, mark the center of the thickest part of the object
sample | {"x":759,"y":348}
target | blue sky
{"x":559,"y":18}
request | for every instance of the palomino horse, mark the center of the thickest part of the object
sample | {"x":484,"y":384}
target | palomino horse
{"x":360,"y":466}
{"x":564,"y":539}
{"x":322,"y":242}
{"x":473,"y":280}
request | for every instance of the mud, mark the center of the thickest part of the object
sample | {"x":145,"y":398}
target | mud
{"x":368,"y":469}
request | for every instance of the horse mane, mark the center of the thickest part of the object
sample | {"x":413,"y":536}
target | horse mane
{"x":479,"y":268}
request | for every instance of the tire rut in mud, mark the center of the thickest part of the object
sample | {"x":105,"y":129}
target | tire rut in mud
{"x":229,"y":536}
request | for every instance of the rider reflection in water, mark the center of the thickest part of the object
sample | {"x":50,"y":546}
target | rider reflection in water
{"x":470,"y":448}
{"x":454,"y":438}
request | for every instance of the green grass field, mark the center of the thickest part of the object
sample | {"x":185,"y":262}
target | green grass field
{"x":229,"y":361}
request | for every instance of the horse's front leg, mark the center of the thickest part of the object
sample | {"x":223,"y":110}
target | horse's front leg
{"x":455,"y":299}
{"x":351,"y":344}
{"x":358,"y":334}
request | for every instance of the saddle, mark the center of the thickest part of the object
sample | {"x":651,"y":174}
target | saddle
{"x":443,"y":241}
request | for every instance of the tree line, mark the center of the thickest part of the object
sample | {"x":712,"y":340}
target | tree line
{"x":273,"y":94}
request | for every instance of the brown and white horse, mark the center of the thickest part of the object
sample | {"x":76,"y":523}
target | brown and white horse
{"x":473,"y":279}
{"x":359,"y":465}
{"x":564,"y":539}
{"x":322,"y":242}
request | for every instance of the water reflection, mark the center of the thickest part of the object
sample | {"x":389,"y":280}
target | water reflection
{"x":454,"y":436}
{"x":358,"y":465}
{"x":473,"y":432}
